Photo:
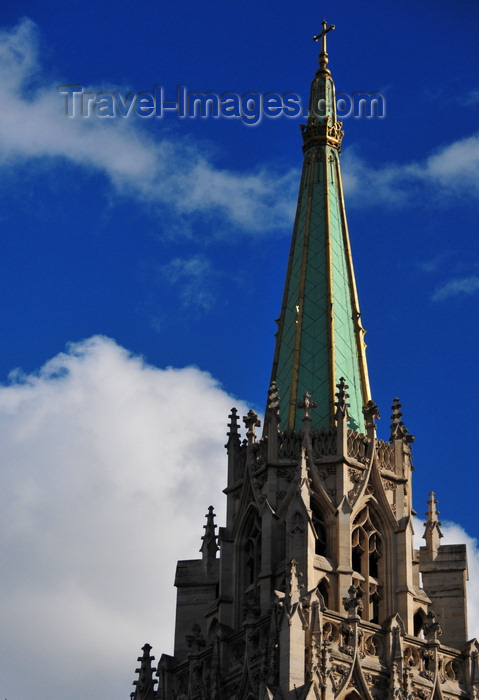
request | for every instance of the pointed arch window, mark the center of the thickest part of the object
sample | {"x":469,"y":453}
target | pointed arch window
{"x":250,"y":566}
{"x":252,"y":558}
{"x":320,"y":531}
{"x":323,"y":588}
{"x":366,"y":560}
{"x":419,"y":620}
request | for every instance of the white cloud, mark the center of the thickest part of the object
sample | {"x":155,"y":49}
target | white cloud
{"x":433,"y":264}
{"x":191,"y":276}
{"x":469,"y":100}
{"x":171,"y":172}
{"x":464,"y":285}
{"x":108,"y":467}
{"x":454,"y":166}
{"x":451,"y":171}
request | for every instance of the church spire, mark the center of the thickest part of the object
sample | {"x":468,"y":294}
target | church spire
{"x":320,"y":336}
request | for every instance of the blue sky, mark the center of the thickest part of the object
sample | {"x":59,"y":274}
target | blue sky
{"x":167,"y":239}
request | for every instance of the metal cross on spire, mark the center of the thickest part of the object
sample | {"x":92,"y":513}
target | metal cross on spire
{"x":323,"y":56}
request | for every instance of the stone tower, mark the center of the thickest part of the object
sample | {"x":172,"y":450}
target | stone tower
{"x":317,"y":592}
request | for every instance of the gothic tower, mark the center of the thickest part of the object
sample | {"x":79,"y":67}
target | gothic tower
{"x":317,"y":592}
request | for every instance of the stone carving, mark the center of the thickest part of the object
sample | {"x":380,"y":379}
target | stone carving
{"x":289,"y":444}
{"x":385,"y":453}
{"x":323,"y":442}
{"x":251,"y":422}
{"x":330,"y":633}
{"x":307,"y":404}
{"x":357,"y":446}
{"x":195,"y":640}
{"x":338,"y":674}
{"x":372,"y":645}
{"x":411,"y":657}
{"x":432,"y":629}
{"x":353,"y":603}
{"x":371,"y":413}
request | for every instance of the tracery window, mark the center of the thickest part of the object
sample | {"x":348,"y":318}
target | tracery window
{"x":366,"y":550}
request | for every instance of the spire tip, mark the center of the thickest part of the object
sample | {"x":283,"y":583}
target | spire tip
{"x":323,"y":56}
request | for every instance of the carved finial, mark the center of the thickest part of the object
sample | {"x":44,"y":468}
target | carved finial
{"x":233,"y":434}
{"x":233,"y":425}
{"x":323,"y":56}
{"x":353,"y":603}
{"x":432,"y":629}
{"x":341,"y":395}
{"x":398,"y":429}
{"x":251,"y":421}
{"x":272,"y":407}
{"x":271,"y":421}
{"x":195,"y":640}
{"x":273,"y":398}
{"x":432,"y":513}
{"x":371,"y":414}
{"x":307,"y":404}
{"x":210,"y":544}
{"x":432,"y":533}
{"x":145,"y":685}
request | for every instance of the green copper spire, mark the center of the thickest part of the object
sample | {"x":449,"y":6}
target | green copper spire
{"x":320,"y":337}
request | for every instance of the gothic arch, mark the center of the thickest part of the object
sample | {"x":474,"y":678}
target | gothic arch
{"x":324,"y":589}
{"x":370,"y":552}
{"x":249,"y":519}
{"x":212,"y":631}
{"x":246,"y":505}
{"x":387,"y":571}
{"x":248,"y":562}
{"x":419,"y":620}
